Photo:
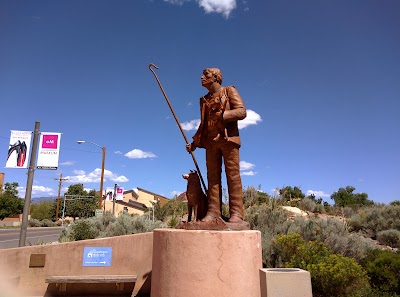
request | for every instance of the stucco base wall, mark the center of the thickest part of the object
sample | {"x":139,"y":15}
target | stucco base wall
{"x":131,"y":255}
{"x":199,"y":263}
{"x":285,"y":282}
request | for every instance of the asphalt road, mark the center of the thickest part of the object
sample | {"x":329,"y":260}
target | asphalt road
{"x":9,"y":238}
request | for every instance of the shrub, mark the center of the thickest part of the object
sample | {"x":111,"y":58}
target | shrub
{"x":389,"y":237}
{"x":371,"y":220}
{"x":331,"y":274}
{"x":34,"y":223}
{"x":383,"y":269}
{"x":372,"y":292}
{"x":83,"y":229}
{"x":47,"y":223}
{"x":41,"y":223}
{"x":269,"y":216}
{"x":337,"y":275}
{"x":294,"y":251}
{"x":307,"y":204}
{"x":126,"y":224}
{"x":173,"y":207}
{"x":79,"y":230}
{"x":334,"y":234}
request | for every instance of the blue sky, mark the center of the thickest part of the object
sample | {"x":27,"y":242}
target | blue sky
{"x":320,"y":81}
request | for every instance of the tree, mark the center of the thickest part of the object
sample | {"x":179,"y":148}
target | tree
{"x":289,"y":193}
{"x":395,"y":203}
{"x":43,"y":210}
{"x":10,"y":203}
{"x":345,"y":197}
{"x":83,"y":205}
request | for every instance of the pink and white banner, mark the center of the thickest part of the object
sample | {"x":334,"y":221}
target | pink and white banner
{"x":120,"y":194}
{"x":49,"y":150}
{"x":19,"y":148}
{"x":109,"y":194}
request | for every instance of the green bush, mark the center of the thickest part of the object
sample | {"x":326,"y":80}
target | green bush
{"x":307,"y":204}
{"x":79,"y":230}
{"x":83,"y":229}
{"x":337,"y":275}
{"x":371,"y":220}
{"x":383,"y":269}
{"x":126,"y":224}
{"x":294,"y":251}
{"x":372,"y":292}
{"x":41,"y":223}
{"x":107,"y":226}
{"x":334,"y":234}
{"x":48,"y":223}
{"x":389,"y":237}
{"x":43,"y":210}
{"x":34,"y":223}
{"x":331,"y":274}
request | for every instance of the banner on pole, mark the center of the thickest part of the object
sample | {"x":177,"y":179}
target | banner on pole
{"x":120,"y":194}
{"x":18,"y":151}
{"x":49,"y":150}
{"x":109,"y":194}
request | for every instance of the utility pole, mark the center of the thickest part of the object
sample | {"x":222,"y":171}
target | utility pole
{"x":60,"y":181}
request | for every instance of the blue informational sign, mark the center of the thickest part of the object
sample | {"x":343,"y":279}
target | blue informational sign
{"x":97,"y":256}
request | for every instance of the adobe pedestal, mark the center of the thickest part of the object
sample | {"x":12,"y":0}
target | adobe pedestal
{"x":200,"y":263}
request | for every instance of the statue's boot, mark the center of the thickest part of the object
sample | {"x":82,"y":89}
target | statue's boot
{"x":236,"y":210}
{"x":213,"y":211}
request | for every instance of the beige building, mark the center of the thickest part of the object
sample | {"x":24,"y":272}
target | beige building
{"x":134,"y":202}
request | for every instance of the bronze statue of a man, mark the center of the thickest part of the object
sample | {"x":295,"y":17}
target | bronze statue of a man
{"x":218,"y":133}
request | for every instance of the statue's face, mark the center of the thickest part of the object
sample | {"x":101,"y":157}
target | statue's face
{"x":207,"y":78}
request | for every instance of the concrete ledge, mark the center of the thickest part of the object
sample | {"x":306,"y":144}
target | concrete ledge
{"x":285,"y":282}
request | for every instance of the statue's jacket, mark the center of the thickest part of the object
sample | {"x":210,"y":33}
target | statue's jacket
{"x":233,"y":112}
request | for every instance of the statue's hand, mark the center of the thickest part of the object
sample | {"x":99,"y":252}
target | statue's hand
{"x":190,"y":147}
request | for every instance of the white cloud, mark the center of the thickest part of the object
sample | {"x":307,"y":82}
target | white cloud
{"x":118,"y":152}
{"x":94,"y":177}
{"x":36,"y":190}
{"x":120,"y":179}
{"x":192,"y":125}
{"x":88,"y":189}
{"x":176,"y":2}
{"x":224,"y":7}
{"x":68,"y":163}
{"x":176,"y":193}
{"x":317,"y":193}
{"x":78,"y":172}
{"x":248,"y":173}
{"x":246,"y":165}
{"x":139,"y":154}
{"x":252,"y":118}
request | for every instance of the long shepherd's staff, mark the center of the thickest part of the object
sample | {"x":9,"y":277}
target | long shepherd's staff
{"x":179,"y":125}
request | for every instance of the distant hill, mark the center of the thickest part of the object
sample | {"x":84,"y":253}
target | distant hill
{"x":41,"y":199}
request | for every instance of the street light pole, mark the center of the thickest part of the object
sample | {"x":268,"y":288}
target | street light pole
{"x":114,"y":197}
{"x":103,"y":159}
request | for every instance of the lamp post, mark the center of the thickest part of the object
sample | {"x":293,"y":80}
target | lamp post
{"x":103,"y":149}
